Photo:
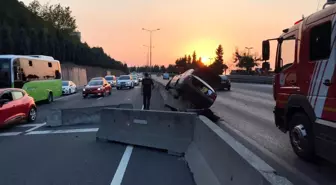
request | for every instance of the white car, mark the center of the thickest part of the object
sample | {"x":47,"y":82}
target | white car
{"x":135,"y":80}
{"x":68,"y":87}
{"x":125,"y":81}
{"x":111,"y":80}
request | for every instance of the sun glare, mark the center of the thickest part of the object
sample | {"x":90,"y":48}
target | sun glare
{"x":205,"y":60}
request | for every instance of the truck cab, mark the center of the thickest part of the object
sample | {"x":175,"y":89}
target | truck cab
{"x":304,"y":85}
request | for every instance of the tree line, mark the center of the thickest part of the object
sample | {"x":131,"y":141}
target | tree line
{"x":188,"y":62}
{"x":47,"y":29}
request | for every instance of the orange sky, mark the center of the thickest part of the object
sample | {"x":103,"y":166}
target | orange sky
{"x":186,"y":25}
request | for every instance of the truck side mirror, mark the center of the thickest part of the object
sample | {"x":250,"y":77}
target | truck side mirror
{"x":265,"y":50}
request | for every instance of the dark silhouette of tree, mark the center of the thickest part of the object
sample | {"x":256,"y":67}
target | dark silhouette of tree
{"x":245,"y":60}
{"x":163,"y":69}
{"x":59,"y":16}
{"x":218,"y":65}
{"x":6,"y":41}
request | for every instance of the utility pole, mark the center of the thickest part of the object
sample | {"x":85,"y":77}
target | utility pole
{"x":150,"y":44}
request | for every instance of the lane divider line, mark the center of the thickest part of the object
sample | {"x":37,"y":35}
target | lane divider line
{"x":10,"y":134}
{"x":36,"y":127}
{"x":119,"y":175}
{"x":99,"y":98}
{"x":29,"y":125}
{"x":44,"y":132}
{"x":142,"y":108}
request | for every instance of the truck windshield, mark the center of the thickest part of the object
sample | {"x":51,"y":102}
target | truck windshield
{"x":5,"y":73}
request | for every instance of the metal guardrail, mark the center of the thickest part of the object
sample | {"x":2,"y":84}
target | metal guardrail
{"x":251,"y":79}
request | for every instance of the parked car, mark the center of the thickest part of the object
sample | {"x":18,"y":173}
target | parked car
{"x":98,"y":87}
{"x":135,"y":80}
{"x":225,"y":83}
{"x":68,"y":87}
{"x":16,"y":106}
{"x":165,"y":76}
{"x":125,"y":81}
{"x":193,"y":89}
{"x":111,"y":79}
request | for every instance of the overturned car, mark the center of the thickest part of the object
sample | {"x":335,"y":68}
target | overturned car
{"x":193,"y":87}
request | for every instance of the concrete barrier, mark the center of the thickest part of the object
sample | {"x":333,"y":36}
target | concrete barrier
{"x":214,"y":157}
{"x":74,"y":116}
{"x":164,"y":130}
{"x":251,"y":79}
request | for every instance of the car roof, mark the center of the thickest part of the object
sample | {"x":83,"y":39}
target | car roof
{"x":9,"y":89}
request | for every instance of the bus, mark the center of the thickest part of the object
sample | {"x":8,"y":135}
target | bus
{"x":40,"y":76}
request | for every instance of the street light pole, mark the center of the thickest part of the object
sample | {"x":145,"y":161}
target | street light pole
{"x":148,"y":51}
{"x":150,"y":44}
{"x":248,"y":49}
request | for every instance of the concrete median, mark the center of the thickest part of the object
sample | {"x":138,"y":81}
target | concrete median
{"x":164,"y":130}
{"x":214,"y":157}
{"x":74,"y":116}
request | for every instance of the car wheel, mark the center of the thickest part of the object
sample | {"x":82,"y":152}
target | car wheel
{"x":229,"y":88}
{"x":50,"y":98}
{"x":84,"y":96}
{"x":301,"y":136}
{"x":118,"y":88}
{"x":32,"y":114}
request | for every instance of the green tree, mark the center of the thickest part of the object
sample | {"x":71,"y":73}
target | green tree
{"x":171,"y":68}
{"x":60,"y":17}
{"x":218,"y":66}
{"x":245,"y":60}
{"x":6,"y":41}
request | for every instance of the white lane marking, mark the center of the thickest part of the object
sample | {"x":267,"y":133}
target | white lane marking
{"x":140,"y":121}
{"x":119,"y":175}
{"x":29,"y":125}
{"x":43,"y":132}
{"x":142,"y":108}
{"x":326,"y":123}
{"x":271,"y":155}
{"x":99,"y":98}
{"x":10,"y":134}
{"x":36,"y":127}
{"x":67,"y":96}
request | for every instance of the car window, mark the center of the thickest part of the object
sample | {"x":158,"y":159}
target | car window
{"x":65,"y":83}
{"x":17,"y":95}
{"x":109,"y":78}
{"x":7,"y":96}
{"x":96,"y":82}
{"x":124,"y":78}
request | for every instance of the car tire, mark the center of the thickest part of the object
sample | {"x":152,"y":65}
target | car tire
{"x":84,"y":96}
{"x":229,"y":88}
{"x":50,"y":98}
{"x":118,"y":88}
{"x":301,"y":136}
{"x":32,"y":114}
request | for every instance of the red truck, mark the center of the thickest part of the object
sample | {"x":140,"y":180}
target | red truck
{"x":304,"y":86}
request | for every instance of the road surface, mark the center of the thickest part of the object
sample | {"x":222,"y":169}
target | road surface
{"x":247,"y":114}
{"x":35,"y":154}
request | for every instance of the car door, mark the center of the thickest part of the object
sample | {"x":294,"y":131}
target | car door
{"x":20,"y":104}
{"x":8,"y":110}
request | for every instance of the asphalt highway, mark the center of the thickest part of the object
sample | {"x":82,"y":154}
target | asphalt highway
{"x":33,"y":154}
{"x":247,"y":114}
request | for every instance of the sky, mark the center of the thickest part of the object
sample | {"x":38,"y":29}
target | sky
{"x":185,"y":25}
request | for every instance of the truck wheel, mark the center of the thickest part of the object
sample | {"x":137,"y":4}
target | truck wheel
{"x":50,"y":98}
{"x":301,"y":136}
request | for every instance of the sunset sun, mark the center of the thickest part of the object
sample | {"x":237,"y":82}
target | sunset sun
{"x":205,"y":60}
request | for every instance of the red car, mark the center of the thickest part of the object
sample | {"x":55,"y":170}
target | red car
{"x":97,"y":86}
{"x":16,"y":106}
